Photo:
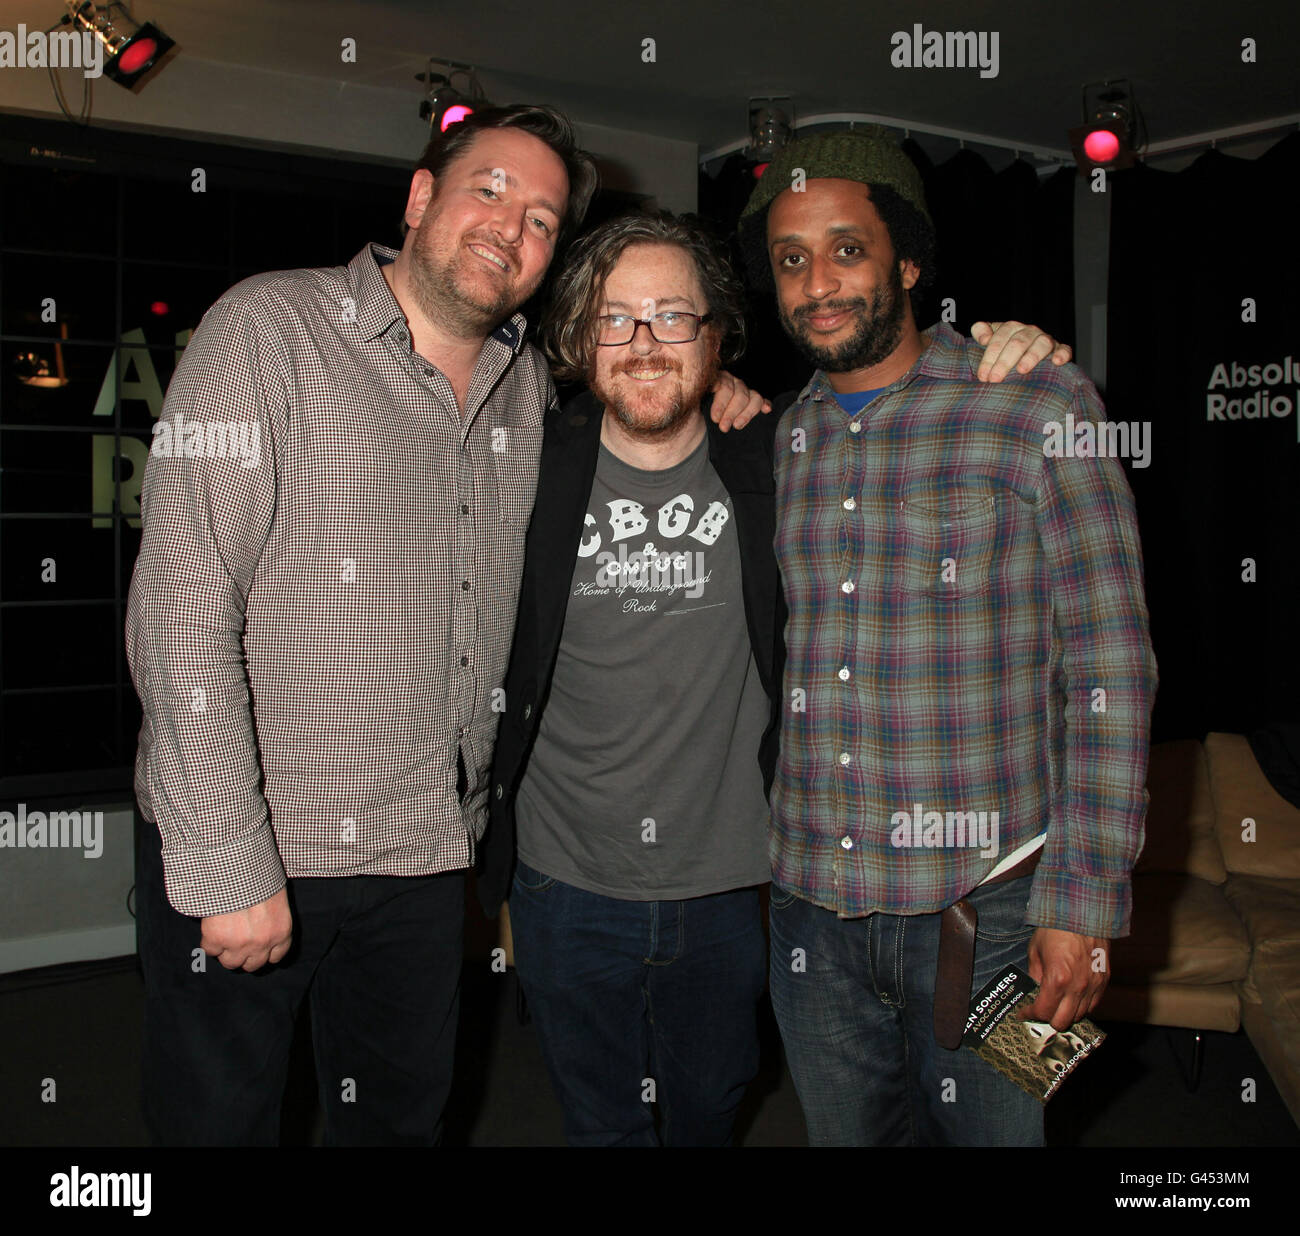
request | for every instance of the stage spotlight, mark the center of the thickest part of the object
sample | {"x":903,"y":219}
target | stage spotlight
{"x":1108,"y":138}
{"x":444,"y":107}
{"x":130,"y":49}
{"x":771,"y":125}
{"x":443,"y":104}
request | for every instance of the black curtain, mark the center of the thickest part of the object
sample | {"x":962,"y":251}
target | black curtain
{"x":1006,"y":245}
{"x":1186,"y":250}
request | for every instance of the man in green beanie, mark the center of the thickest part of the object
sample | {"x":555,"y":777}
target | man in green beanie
{"x":960,"y":787}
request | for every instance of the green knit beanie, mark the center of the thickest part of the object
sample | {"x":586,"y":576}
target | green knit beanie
{"x":867,"y":155}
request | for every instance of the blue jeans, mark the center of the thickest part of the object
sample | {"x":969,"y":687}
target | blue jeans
{"x":858,"y":1026}
{"x":627,"y":992}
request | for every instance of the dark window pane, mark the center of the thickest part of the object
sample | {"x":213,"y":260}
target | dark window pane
{"x":59,"y":645}
{"x":83,"y":291}
{"x":165,"y":220}
{"x":160,"y":300}
{"x":79,"y":557}
{"x":47,"y":732}
{"x":68,"y":211}
{"x":52,"y":472}
{"x":281,"y":231}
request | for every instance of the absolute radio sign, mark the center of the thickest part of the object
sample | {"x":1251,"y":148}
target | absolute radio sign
{"x":1237,"y":392}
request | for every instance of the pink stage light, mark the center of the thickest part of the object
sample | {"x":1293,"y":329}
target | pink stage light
{"x":1101,"y":145}
{"x":454,"y":114}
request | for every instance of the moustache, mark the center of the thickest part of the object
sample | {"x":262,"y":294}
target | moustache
{"x":647,"y":367}
{"x":825,"y":309}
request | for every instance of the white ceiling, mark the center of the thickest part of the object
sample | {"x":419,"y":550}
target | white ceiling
{"x":1183,"y":59}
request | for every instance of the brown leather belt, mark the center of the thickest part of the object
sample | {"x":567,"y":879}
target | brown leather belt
{"x":952,"y":976}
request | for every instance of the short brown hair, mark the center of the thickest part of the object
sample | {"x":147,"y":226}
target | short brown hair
{"x":544,"y":123}
{"x":567,"y":333}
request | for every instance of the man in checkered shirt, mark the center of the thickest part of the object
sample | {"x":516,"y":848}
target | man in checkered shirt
{"x":969,"y":678}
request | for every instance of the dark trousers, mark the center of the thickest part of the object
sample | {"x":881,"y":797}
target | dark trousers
{"x":629,"y":993}
{"x":380,"y":958}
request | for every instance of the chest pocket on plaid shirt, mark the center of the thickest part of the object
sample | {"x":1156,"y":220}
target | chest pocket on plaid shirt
{"x":516,"y":482}
{"x":947,"y":539}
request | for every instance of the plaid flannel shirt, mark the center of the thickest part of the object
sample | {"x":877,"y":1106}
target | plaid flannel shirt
{"x":967,"y":634}
{"x":315,"y":627}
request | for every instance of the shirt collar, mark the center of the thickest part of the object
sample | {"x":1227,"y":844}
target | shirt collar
{"x":377,"y":308}
{"x":943,"y":358}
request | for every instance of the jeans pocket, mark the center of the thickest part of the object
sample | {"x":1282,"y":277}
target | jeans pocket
{"x":780,"y":898}
{"x":530,"y":879}
{"x":1001,"y":909}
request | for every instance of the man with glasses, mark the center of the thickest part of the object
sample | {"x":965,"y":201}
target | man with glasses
{"x":641,"y":714}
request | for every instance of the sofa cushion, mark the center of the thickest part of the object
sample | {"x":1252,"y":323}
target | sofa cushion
{"x":1180,"y":819}
{"x":1276,"y":972}
{"x":1269,"y":908}
{"x":1241,"y":791}
{"x":1172,"y":1004}
{"x":1184,"y":931}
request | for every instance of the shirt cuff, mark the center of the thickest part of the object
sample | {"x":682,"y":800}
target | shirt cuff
{"x":1087,"y":905}
{"x":219,"y":881}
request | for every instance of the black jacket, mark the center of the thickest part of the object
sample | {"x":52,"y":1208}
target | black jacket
{"x":570,"y":446}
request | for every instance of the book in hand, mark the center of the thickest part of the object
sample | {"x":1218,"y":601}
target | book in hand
{"x":1032,"y":1054}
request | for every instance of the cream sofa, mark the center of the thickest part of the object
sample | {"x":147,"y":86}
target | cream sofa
{"x":1215,"y":943}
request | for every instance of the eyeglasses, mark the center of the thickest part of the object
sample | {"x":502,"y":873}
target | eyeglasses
{"x":613,"y":329}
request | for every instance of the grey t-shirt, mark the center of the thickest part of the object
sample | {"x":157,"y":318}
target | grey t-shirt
{"x":644,"y":782}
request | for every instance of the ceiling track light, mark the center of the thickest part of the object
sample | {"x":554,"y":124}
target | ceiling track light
{"x":444,"y":103}
{"x":1112,"y":131}
{"x":771,"y":126}
{"x":129,"y":48}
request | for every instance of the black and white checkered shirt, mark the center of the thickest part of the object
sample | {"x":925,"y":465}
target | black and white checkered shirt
{"x":323,"y":602}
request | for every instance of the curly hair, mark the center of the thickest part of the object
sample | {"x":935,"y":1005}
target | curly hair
{"x":567,"y":333}
{"x":910,"y":233}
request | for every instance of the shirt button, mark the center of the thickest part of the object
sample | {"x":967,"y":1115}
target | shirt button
{"x":500,"y":791}
{"x":855,"y":427}
{"x":428,"y":373}
{"x":845,"y":757}
{"x":464,"y":509}
{"x":849,"y":504}
{"x":844,"y":674}
{"x":464,"y":660}
{"x":464,"y":585}
{"x":847,"y":586}
{"x":847,"y":842}
{"x":528,"y":711}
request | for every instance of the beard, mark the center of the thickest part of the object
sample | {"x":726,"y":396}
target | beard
{"x":449,"y":291}
{"x":646,"y":414}
{"x":878,"y":331}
